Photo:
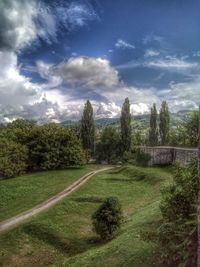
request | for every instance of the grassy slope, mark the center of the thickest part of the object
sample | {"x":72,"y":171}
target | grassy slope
{"x":63,"y":235}
{"x":24,"y":192}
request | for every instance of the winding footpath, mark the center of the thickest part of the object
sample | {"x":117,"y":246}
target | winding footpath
{"x":20,"y":218}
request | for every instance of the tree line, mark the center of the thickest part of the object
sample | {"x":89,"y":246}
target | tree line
{"x":26,"y":146}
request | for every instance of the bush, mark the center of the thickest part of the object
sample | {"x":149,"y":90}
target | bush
{"x":141,"y":158}
{"x":108,"y":218}
{"x":108,"y":147}
{"x":178,"y":232}
{"x":53,"y":147}
{"x":13,"y":158}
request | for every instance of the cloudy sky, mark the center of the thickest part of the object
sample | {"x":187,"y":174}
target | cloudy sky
{"x":54,"y":55}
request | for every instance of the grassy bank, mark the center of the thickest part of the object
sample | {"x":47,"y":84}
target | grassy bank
{"x":63,"y":235}
{"x":24,"y":192}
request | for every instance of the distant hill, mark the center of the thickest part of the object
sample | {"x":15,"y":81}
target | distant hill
{"x":139,"y":121}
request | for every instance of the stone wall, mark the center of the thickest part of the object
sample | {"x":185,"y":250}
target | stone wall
{"x":167,"y":155}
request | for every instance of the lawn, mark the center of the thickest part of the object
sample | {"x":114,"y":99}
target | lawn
{"x":63,"y":235}
{"x":24,"y":192}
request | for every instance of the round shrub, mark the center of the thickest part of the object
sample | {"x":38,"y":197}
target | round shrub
{"x":108,"y":218}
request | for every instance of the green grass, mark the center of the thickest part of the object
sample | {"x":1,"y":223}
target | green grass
{"x":24,"y":192}
{"x":63,"y":235}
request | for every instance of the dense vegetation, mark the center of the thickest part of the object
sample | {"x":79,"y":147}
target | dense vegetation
{"x":26,"y":146}
{"x":178,"y":232}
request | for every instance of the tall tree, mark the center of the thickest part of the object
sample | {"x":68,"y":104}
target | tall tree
{"x":192,"y":129}
{"x":125,"y":121}
{"x":88,"y":128}
{"x":153,"y":131}
{"x":164,"y":123}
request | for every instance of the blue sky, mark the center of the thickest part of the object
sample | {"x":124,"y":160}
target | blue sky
{"x":56,"y":54}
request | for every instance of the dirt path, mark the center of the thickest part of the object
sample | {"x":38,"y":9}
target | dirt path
{"x":14,"y":221}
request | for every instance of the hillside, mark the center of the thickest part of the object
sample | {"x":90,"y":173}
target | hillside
{"x":139,"y":121}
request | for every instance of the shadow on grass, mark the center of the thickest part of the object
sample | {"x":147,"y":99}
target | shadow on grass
{"x":125,"y":180}
{"x":117,"y":170}
{"x":89,"y":199}
{"x":66,"y":246}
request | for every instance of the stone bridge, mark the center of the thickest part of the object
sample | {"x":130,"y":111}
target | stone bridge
{"x":161,"y":155}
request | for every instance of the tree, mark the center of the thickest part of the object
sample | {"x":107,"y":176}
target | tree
{"x":88,"y":128}
{"x":125,"y":121}
{"x":108,"y":147}
{"x":13,"y":158}
{"x":108,"y":218}
{"x":192,"y":129}
{"x":164,"y":123}
{"x":153,"y":132}
{"x":178,"y":232}
{"x":18,"y":131}
{"x":54,"y":147}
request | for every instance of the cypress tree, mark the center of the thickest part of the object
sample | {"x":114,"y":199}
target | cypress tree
{"x":164,"y":123}
{"x":88,"y":128}
{"x":125,"y":121}
{"x":153,"y":131}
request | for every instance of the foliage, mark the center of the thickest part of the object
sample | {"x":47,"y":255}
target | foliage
{"x":18,"y":131}
{"x":178,"y":232}
{"x":128,"y":157}
{"x":108,"y":218}
{"x":54,"y":147}
{"x":88,"y":128}
{"x":192,"y":129}
{"x":186,"y":133}
{"x":141,"y":158}
{"x":153,"y":131}
{"x":48,"y":147}
{"x":13,"y":158}
{"x":125,"y":121}
{"x":108,"y":146}
{"x":164,"y":123}
{"x":178,"y":136}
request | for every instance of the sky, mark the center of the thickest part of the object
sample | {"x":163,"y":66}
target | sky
{"x":56,"y":54}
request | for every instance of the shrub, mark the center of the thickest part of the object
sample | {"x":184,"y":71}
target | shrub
{"x":108,"y":147}
{"x":127,"y":157}
{"x":108,"y":218}
{"x":53,"y":147}
{"x":178,"y":232}
{"x":13,"y":158}
{"x":141,"y":158}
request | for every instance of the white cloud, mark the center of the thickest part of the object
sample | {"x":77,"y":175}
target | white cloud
{"x":52,"y":100}
{"x":110,"y":110}
{"x":171,"y":64}
{"x":17,"y":27}
{"x":15,"y":89}
{"x":22,"y":22}
{"x":87,"y":72}
{"x":168,"y":63}
{"x":151,"y":53}
{"x":124,"y":45}
{"x":150,"y":38}
{"x":76,"y":14}
{"x":139,"y":108}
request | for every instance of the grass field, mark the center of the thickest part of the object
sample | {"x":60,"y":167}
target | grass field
{"x":24,"y":192}
{"x":63,"y":235}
